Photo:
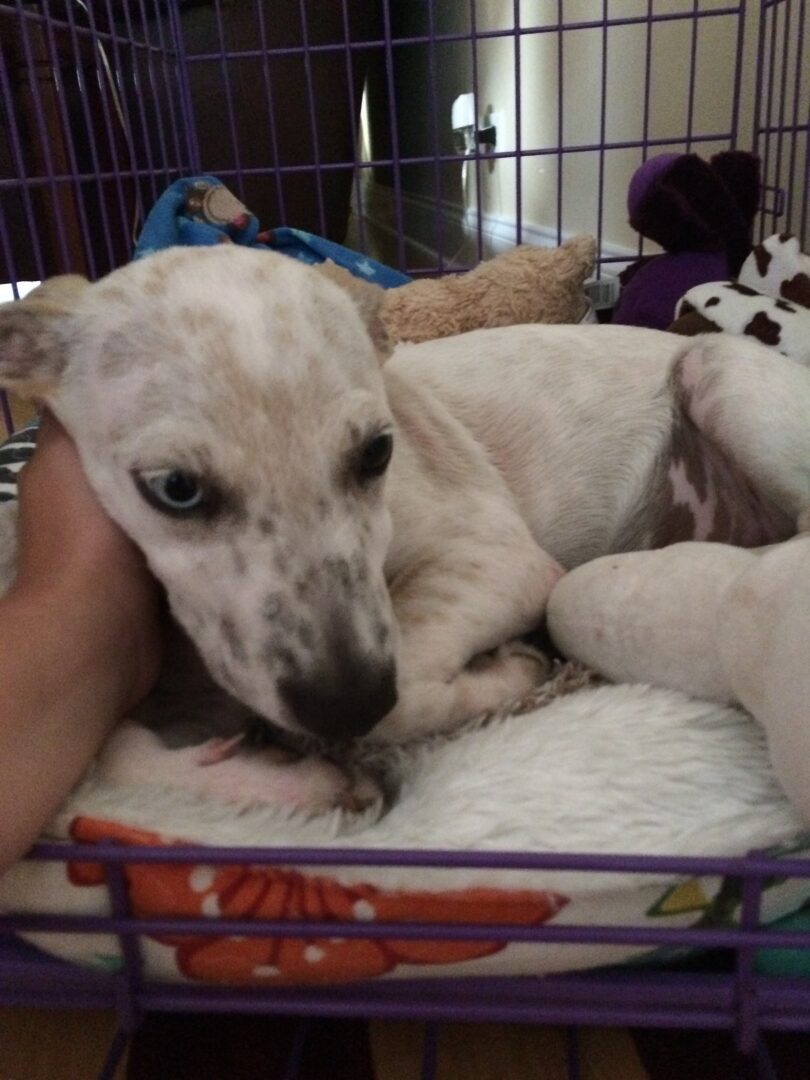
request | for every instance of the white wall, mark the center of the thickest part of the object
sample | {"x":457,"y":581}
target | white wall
{"x":569,"y":66}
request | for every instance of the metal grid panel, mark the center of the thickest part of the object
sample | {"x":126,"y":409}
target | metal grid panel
{"x":90,"y":116}
{"x":782,"y":125}
{"x":736,"y":1000}
{"x":103,"y":102}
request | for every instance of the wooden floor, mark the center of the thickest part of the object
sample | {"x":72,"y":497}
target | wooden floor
{"x":54,"y":1045}
{"x":72,"y":1046}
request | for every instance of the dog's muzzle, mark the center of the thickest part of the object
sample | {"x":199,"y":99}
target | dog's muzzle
{"x":341,"y":705}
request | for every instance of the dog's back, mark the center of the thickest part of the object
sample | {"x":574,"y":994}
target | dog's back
{"x":573,"y":417}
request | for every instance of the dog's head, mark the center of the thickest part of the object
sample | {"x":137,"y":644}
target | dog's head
{"x":230,"y":413}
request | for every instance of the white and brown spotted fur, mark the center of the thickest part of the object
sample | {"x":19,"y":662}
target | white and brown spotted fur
{"x":340,"y":606}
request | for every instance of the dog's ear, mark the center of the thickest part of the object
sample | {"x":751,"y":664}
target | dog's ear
{"x":32,"y":340}
{"x":369,"y":300}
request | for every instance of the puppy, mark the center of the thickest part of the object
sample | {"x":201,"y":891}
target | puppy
{"x":356,"y":542}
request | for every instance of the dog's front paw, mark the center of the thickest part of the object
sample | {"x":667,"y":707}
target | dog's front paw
{"x":488,"y":683}
{"x":518,"y":660}
{"x":222,"y":770}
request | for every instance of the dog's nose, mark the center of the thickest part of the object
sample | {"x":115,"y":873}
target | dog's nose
{"x":343,"y":706}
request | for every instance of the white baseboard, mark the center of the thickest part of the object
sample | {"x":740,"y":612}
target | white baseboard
{"x":461,"y":228}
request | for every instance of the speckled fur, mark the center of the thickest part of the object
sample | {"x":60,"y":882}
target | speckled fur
{"x":516,"y":450}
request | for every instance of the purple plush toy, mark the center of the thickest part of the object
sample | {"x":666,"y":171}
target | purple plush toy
{"x":702,"y":215}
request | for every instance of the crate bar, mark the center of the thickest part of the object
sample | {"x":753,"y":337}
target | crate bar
{"x":439,"y":1000}
{"x":572,"y":1052}
{"x":480,"y":35}
{"x":292,"y":1070}
{"x":271,"y":110}
{"x":223,"y":57}
{"x":690,"y":110}
{"x":110,"y":130}
{"x":392,"y":115}
{"x":150,"y":72}
{"x":375,"y":163}
{"x":18,"y":160}
{"x":42,"y":130}
{"x":517,"y":155}
{"x":447,"y":859}
{"x":801,"y":74}
{"x":313,"y":118}
{"x":353,"y":120}
{"x":126,"y":121}
{"x":184,"y":89}
{"x":70,"y":146}
{"x":114,"y":1055}
{"x":746,"y":1000}
{"x":165,"y":54}
{"x":479,"y":231}
{"x":438,"y":178}
{"x":766,"y":154}
{"x":84,"y":95}
{"x":30,"y":15}
{"x":146,"y":135}
{"x":738,"y":69}
{"x":782,"y":100}
{"x":600,"y":209}
{"x":560,"y":118}
{"x":128,"y":981}
{"x":430,"y":1051}
{"x":645,"y":123}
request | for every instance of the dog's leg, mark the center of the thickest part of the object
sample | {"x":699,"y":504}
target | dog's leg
{"x":754,"y":404}
{"x":455,"y":613}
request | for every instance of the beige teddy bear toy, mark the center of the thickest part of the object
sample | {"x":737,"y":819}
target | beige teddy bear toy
{"x":717,"y":622}
{"x":524,"y":285}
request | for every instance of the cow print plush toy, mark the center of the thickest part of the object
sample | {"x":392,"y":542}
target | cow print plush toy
{"x":769,"y":301}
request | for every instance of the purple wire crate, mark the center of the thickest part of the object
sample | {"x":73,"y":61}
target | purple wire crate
{"x":429,"y":135}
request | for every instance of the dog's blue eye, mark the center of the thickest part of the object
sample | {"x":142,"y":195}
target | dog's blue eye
{"x":374,"y":457}
{"x":171,"y":490}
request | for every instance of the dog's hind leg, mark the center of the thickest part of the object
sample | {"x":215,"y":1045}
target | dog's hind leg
{"x":459,"y":615}
{"x":754,"y":405}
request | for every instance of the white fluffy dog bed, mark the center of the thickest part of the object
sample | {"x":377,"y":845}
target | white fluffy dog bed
{"x":624,"y":769}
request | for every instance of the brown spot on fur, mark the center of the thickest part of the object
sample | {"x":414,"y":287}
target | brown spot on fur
{"x":339,"y":569}
{"x":797,"y":289}
{"x":117,"y":294}
{"x":763,"y":259}
{"x":676,"y":521}
{"x":712,"y":301}
{"x":783,"y":305}
{"x":743,"y":290}
{"x":686,"y":450}
{"x":272,"y":606}
{"x":279,"y":656}
{"x":232,"y":640}
{"x":155,"y":284}
{"x":764,"y":329}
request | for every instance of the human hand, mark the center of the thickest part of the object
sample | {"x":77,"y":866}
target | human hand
{"x":70,"y":552}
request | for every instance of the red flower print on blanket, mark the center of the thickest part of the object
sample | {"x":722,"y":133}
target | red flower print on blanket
{"x":250,"y":892}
